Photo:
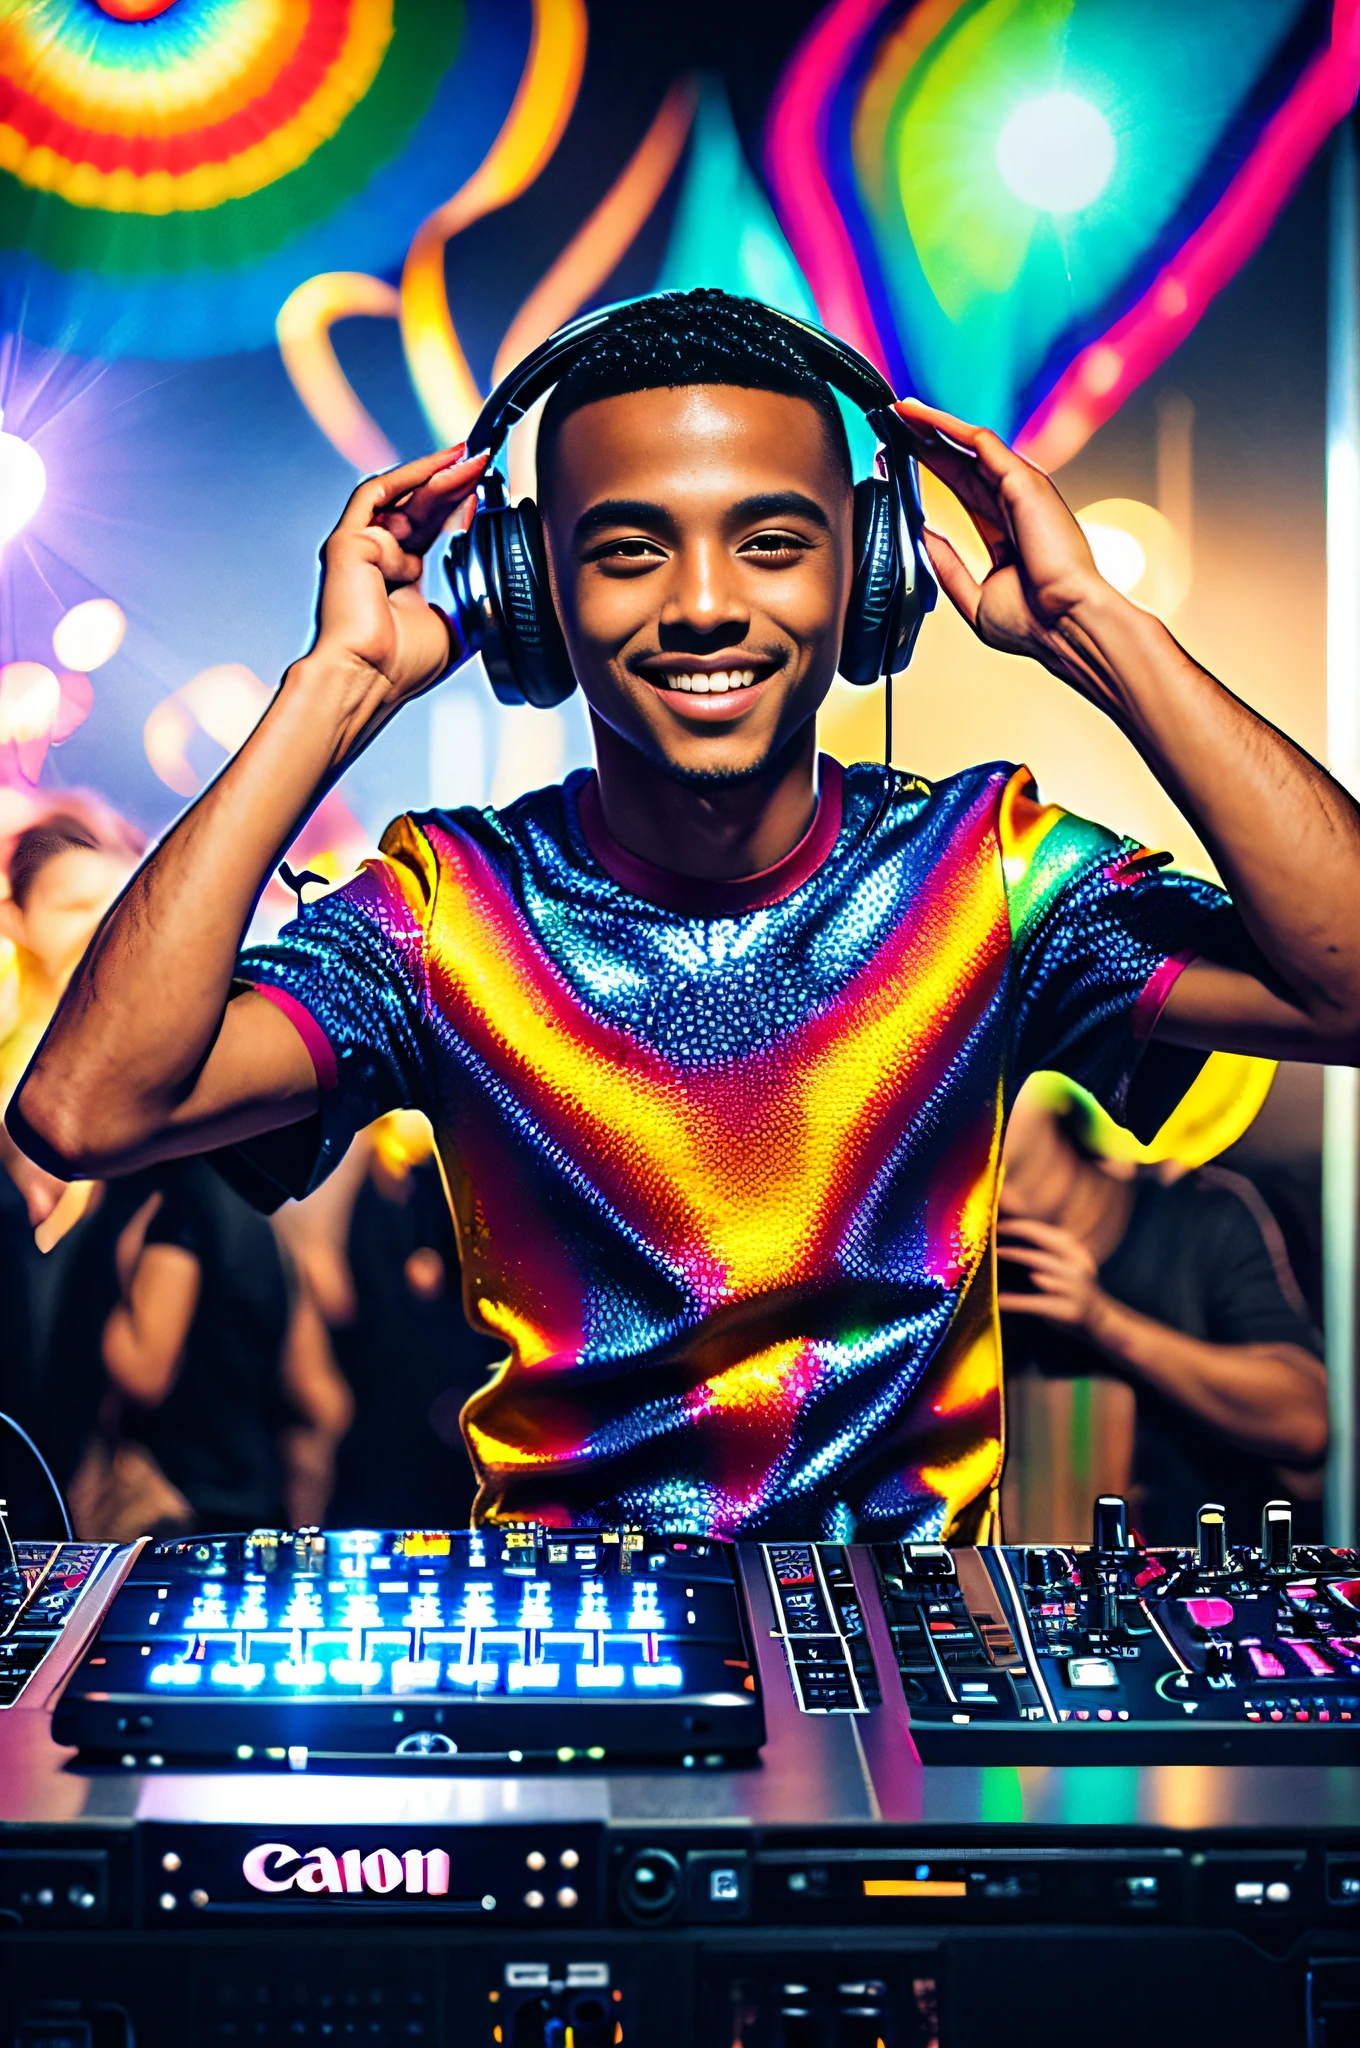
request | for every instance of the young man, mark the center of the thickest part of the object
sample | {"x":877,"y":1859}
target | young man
{"x":1176,"y":1296}
{"x":717,"y":1041}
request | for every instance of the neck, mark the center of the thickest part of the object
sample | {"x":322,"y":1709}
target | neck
{"x":716,"y":832}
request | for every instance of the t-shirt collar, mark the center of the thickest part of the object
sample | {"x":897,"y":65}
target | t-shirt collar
{"x":695,"y":896}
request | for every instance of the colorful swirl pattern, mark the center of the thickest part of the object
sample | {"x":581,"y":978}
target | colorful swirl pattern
{"x":165,"y":183}
{"x":882,"y":153}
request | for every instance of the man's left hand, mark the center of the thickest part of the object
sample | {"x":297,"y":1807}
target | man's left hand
{"x":1042,"y":565}
{"x":1065,"y":1277}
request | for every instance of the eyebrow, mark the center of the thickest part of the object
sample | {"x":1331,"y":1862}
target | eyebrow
{"x":643,"y":512}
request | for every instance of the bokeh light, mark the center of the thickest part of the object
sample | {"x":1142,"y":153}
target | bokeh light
{"x":30,"y":698}
{"x":23,"y":483}
{"x":1139,"y":551}
{"x":89,"y":635}
{"x":1056,"y":152}
{"x":225,"y":702}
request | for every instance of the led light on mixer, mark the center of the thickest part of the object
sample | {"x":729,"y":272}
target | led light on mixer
{"x":532,"y":1677}
{"x":244,"y":1676}
{"x":415,"y":1675}
{"x":1313,"y":1662}
{"x":650,"y":1675}
{"x":599,"y":1677}
{"x":360,"y":1671}
{"x":178,"y":1674}
{"x":291,"y":1671}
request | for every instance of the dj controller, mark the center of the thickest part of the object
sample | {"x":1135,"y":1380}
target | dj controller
{"x":548,"y":1788}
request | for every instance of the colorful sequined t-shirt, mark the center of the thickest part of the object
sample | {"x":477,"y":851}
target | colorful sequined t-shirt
{"x":723,"y":1157}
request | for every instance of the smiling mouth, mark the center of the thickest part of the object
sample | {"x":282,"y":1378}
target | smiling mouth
{"x":723,"y":682}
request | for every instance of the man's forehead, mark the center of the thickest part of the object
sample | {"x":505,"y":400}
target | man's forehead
{"x":697,"y":436}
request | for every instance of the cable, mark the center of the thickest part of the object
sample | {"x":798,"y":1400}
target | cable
{"x":19,"y":1431}
{"x":887,"y":719}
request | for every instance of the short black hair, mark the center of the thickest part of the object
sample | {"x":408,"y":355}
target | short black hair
{"x":697,"y":337}
{"x":42,"y":843}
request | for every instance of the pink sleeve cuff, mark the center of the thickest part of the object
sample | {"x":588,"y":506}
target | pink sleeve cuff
{"x":1152,"y":1001}
{"x":308,"y":1030}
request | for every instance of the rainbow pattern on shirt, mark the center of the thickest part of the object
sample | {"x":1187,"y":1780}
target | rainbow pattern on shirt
{"x":725,"y":1185}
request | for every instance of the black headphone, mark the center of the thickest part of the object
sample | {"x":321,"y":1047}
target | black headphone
{"x":498,"y":570}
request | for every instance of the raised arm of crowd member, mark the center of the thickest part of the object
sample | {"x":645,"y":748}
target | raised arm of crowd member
{"x":149,"y":1056}
{"x":1284,"y":834}
{"x":145,"y":1334}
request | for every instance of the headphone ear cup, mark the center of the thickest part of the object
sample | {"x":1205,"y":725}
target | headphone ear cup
{"x":877,"y":594}
{"x":498,"y":572}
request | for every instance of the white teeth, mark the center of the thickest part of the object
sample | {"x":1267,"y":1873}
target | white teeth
{"x":715,"y":685}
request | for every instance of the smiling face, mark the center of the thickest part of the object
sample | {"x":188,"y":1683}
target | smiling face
{"x":699,"y":540}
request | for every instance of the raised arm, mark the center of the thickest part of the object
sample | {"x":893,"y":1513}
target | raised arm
{"x":149,"y":1056}
{"x":1284,"y":834}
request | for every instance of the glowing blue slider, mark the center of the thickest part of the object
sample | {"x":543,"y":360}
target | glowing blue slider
{"x":599,"y":1677}
{"x":646,"y":1615}
{"x":178,"y":1673}
{"x":594,"y":1612}
{"x":658,"y":1674}
{"x":473,"y":1674}
{"x":246,"y":1676}
{"x":361,"y":1671}
{"x":299,"y":1671}
{"x":416,"y":1674}
{"x":528,"y":1677}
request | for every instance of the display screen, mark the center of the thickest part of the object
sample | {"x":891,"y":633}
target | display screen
{"x":523,"y":1614}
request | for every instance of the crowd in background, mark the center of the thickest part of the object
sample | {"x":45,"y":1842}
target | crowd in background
{"x":187,"y":1364}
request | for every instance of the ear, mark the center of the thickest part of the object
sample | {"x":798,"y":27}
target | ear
{"x":11,"y":920}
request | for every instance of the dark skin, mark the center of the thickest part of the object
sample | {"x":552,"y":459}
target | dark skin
{"x":702,"y":564}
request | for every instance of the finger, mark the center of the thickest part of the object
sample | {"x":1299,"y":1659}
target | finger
{"x":993,"y":456}
{"x":377,"y":491}
{"x":374,"y":548}
{"x":421,"y":517}
{"x":1042,"y":1233}
{"x":956,"y":579}
{"x":1027,"y":1305}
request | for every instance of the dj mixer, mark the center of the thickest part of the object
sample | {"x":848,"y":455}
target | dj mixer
{"x":521,"y":1645}
{"x":546,"y":1788}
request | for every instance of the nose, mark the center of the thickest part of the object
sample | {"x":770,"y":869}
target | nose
{"x":704,"y":602}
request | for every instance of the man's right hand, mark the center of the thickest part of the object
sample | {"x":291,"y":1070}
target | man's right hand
{"x":149,"y":1057}
{"x":370,"y":612}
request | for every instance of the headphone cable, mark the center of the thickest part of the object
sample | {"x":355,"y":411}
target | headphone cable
{"x":22,"y":1433}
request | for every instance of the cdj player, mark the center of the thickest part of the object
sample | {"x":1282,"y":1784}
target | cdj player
{"x":541,"y":1788}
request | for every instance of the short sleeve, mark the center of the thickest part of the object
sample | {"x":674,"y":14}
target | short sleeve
{"x":349,"y":972}
{"x":1253,"y":1296}
{"x":1100,"y":928}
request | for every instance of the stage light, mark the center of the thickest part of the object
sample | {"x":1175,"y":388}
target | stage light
{"x":1139,"y":551}
{"x":1119,"y":558}
{"x":89,"y":635}
{"x":30,"y":698}
{"x":23,"y":481}
{"x":1056,"y":153}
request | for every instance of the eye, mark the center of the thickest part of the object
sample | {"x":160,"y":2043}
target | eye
{"x":634,"y":548}
{"x":774,"y":544}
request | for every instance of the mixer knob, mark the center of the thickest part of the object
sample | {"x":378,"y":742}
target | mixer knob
{"x":1277,"y":1536}
{"x":1109,"y":1530}
{"x":1213,"y":1537}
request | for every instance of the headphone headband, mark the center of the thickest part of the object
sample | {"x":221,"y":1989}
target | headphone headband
{"x":839,"y":365}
